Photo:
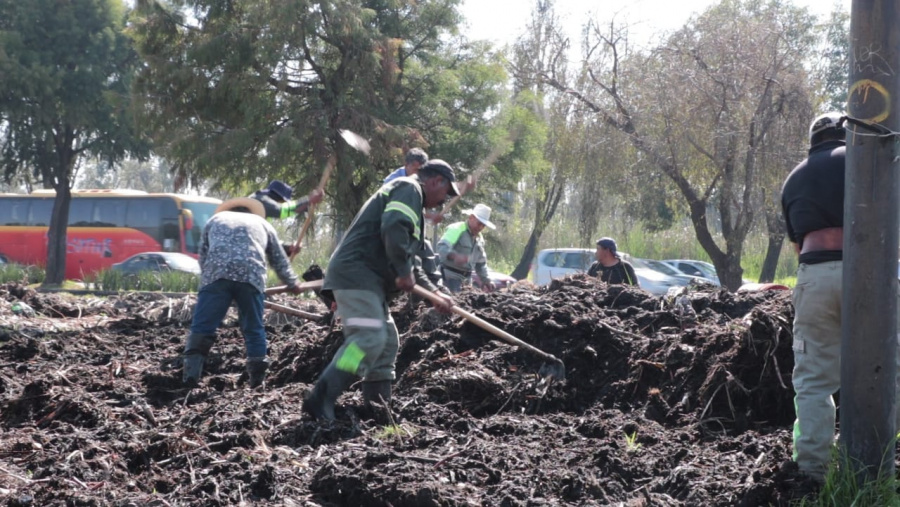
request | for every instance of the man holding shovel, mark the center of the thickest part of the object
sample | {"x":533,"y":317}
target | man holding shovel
{"x":236,"y":246}
{"x":372,"y":264}
{"x":462,"y":250}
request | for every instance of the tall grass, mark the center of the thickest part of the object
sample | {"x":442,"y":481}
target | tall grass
{"x":28,"y":275}
{"x":165,"y":281}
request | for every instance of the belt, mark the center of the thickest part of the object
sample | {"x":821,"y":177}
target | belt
{"x":831,"y":238}
{"x":463,"y":272}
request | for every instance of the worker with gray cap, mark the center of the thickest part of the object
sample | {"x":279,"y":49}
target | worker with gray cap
{"x":461,"y":250}
{"x":610,"y":267}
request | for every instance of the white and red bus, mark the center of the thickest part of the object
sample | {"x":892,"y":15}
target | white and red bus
{"x":105,"y":226}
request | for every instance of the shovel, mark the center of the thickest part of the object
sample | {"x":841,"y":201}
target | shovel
{"x":313,"y":285}
{"x":554,"y":368}
{"x":355,"y":141}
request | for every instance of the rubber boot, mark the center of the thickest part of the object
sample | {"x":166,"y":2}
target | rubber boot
{"x":320,"y":402}
{"x":377,"y":392}
{"x":256,"y":370}
{"x":195,"y":351}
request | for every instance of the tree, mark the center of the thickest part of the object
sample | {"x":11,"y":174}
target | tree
{"x":250,"y":91}
{"x":65,"y":71}
{"x":702,"y":109}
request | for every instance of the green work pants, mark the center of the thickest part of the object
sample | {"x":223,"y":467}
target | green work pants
{"x":371,"y":340}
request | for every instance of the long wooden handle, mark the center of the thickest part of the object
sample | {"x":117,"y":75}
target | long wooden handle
{"x":311,"y":209}
{"x":313,"y":285}
{"x":425,"y":293}
{"x":292,"y":311}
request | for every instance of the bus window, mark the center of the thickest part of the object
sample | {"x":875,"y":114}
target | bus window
{"x":40,"y":211}
{"x":201,"y":212}
{"x":109,"y":213}
{"x":144,"y":215}
{"x":80,"y":211}
{"x":14,"y":212}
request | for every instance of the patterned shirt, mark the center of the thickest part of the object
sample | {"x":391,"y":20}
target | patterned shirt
{"x":235,"y":246}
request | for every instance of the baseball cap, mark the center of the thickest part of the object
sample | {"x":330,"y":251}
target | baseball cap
{"x":280,"y":189}
{"x":609,"y":244}
{"x":443,"y":168}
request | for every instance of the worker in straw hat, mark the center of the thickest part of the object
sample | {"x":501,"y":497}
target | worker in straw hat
{"x":461,"y":250}
{"x":236,"y":247}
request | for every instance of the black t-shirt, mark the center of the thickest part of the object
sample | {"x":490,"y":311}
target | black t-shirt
{"x":620,"y":272}
{"x":812,"y":197}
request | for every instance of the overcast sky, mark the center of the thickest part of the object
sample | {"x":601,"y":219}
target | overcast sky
{"x":502,"y":21}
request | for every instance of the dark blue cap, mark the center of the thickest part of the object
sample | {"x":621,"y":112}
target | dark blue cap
{"x":280,"y":189}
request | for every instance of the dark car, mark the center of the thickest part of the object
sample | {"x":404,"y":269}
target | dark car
{"x":158,"y":261}
{"x":499,"y":280}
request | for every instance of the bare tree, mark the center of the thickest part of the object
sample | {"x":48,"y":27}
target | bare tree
{"x":702,"y":108}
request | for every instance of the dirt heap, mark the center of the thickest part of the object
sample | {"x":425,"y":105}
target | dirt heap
{"x":661,"y":405}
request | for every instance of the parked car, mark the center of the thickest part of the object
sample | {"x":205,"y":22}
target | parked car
{"x":695,"y":268}
{"x":559,"y":262}
{"x":500,"y":280}
{"x":158,"y":261}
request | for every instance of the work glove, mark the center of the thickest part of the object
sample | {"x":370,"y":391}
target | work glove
{"x":288,"y":248}
{"x":314,"y":272}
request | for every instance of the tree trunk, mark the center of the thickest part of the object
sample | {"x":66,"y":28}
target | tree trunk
{"x":544,"y":211}
{"x":775,"y":228}
{"x":524,"y":265}
{"x":56,"y":235}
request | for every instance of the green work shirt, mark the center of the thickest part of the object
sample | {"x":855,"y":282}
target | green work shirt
{"x":382,"y":242}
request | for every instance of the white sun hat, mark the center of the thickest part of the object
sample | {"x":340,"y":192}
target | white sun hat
{"x":483,"y":213}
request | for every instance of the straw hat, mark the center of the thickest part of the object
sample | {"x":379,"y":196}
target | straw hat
{"x":253,"y":205}
{"x":483,"y":213}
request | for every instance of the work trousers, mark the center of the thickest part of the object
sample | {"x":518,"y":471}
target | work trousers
{"x":817,"y":364}
{"x":213,"y":302}
{"x":371,"y":341}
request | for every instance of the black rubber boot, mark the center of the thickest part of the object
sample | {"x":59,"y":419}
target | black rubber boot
{"x":320,"y":402}
{"x":195,"y":351}
{"x":377,"y":392}
{"x":256,"y":370}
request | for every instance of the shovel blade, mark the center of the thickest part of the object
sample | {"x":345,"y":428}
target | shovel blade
{"x":358,"y":142}
{"x":555,"y":369}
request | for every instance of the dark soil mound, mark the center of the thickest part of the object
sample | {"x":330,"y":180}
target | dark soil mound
{"x":659,"y":407}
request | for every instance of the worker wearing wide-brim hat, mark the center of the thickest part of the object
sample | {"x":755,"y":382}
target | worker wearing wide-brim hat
{"x":461,"y":249}
{"x":236,"y":247}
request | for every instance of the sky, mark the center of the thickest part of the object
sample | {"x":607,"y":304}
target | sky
{"x":501,"y":21}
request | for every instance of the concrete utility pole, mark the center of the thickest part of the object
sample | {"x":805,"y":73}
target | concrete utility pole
{"x":869,"y":332}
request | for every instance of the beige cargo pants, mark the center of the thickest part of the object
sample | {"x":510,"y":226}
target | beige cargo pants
{"x":371,"y":341}
{"x":817,"y":364}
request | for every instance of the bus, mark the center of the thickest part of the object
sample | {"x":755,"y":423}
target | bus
{"x":105,"y":226}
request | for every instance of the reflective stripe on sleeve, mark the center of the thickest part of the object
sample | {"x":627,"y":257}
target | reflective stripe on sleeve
{"x":406,"y":210}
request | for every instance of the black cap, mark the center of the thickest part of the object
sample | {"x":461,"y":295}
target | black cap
{"x":443,"y":168}
{"x":609,"y":244}
{"x":280,"y":189}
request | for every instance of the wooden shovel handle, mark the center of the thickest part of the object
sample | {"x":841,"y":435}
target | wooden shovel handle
{"x":311,"y":210}
{"x":496,"y":331}
{"x":313,"y":285}
{"x":292,"y":311}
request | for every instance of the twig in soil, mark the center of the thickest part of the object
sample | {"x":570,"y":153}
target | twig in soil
{"x":23,"y":479}
{"x":199,"y":447}
{"x":620,"y":331}
{"x":455,"y":454}
{"x":191,"y":470}
{"x":513,"y":393}
{"x":53,"y":415}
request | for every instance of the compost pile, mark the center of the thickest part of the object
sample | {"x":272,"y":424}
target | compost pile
{"x":661,"y":405}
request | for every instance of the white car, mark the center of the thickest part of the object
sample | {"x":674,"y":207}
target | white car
{"x":559,"y":262}
{"x":695,"y":268}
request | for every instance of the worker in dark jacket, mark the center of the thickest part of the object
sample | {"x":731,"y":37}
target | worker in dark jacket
{"x":609,"y":266}
{"x":812,"y":200}
{"x":276,"y":198}
{"x":373,"y":263}
{"x":236,"y":248}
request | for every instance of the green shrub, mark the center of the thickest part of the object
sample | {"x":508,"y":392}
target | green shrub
{"x":28,"y":275}
{"x":165,"y":281}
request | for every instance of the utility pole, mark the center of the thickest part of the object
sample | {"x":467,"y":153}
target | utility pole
{"x":869,"y":313}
